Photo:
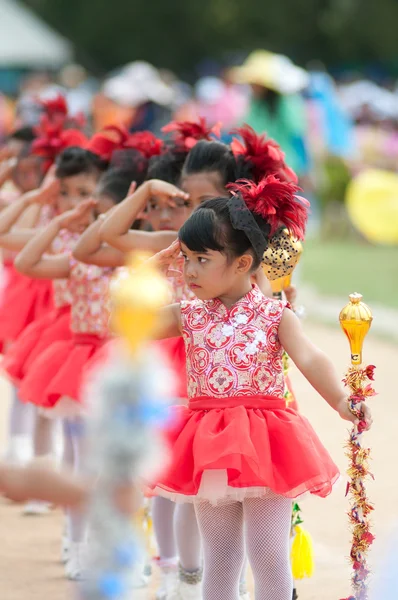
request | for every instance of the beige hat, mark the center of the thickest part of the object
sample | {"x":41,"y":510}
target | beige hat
{"x":273,"y":71}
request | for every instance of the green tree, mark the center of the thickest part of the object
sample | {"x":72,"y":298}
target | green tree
{"x":177,"y":34}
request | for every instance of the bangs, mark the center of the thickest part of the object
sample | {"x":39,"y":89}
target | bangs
{"x":201,"y":232}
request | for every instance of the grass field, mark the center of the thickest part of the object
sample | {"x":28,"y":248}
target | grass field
{"x":332,"y":267}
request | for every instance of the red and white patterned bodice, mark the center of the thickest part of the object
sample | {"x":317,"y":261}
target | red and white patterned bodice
{"x":234,"y":352}
{"x":89,"y":286}
{"x":179,"y":289}
{"x":63,"y":243}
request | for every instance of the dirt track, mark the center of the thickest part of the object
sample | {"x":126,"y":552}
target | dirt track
{"x":30,"y":546}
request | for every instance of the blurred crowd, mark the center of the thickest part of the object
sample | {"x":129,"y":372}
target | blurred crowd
{"x":329,"y":131}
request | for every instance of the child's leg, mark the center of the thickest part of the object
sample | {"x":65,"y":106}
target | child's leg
{"x":43,"y":435}
{"x":20,"y":428}
{"x":267,"y":526}
{"x":77,"y":520}
{"x":163,"y":526}
{"x":243,"y":579}
{"x":221,"y":528}
{"x":188,"y":540}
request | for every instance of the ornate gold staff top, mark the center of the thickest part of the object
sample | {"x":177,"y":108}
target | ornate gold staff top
{"x":355,"y":320}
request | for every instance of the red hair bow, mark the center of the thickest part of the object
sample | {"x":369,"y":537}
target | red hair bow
{"x":276,"y":201}
{"x":264,"y":154}
{"x":188,"y":133}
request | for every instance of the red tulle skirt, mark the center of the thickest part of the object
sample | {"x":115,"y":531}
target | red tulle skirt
{"x":24,"y":300}
{"x":59,"y":371}
{"x":35,"y":339}
{"x":243,"y":447}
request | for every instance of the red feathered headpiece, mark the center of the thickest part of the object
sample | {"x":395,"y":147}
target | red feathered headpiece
{"x":54,"y":141}
{"x":109,"y":139}
{"x":188,"y":133}
{"x":145,"y":142}
{"x":55,"y":106}
{"x":264,"y":154}
{"x":276,"y":201}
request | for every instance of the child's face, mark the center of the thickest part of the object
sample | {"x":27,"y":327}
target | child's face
{"x":75,"y":189}
{"x":210,"y":275}
{"x":202,"y":186}
{"x":28,"y":173}
{"x":163,"y":217}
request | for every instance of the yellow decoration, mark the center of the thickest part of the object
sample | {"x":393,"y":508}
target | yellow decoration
{"x":302,"y":554}
{"x":281,"y":256}
{"x":372,"y":204}
{"x":355,"y":320}
{"x":137,"y":294}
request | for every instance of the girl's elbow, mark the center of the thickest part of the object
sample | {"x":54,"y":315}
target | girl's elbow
{"x":21,"y":265}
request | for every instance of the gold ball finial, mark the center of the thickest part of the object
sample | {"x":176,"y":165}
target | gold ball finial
{"x":281,"y":256}
{"x":137,"y":294}
{"x":355,"y":320}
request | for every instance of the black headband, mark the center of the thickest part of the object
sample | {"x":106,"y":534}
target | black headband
{"x":243,"y":220}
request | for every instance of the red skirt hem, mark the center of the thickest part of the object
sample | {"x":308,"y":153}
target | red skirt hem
{"x":24,"y":300}
{"x":35,"y":339}
{"x":257,"y":441}
{"x":59,"y":371}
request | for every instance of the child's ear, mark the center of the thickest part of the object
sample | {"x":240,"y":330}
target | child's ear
{"x":245,"y":263}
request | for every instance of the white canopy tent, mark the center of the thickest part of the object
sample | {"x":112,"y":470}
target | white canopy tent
{"x":28,"y":42}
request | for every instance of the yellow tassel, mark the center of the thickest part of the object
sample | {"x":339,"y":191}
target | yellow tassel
{"x":302,"y":554}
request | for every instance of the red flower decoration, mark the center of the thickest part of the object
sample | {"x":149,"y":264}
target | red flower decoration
{"x":109,"y":139}
{"x":264,"y":154}
{"x":55,"y":106}
{"x":370,"y":372}
{"x":275,"y":201}
{"x":188,"y":133}
{"x":368,"y":537}
{"x":145,"y":142}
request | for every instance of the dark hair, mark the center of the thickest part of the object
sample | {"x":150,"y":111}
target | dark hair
{"x":116,"y":183}
{"x":207,"y":157}
{"x":210,"y":228}
{"x":167,"y":167}
{"x":23,"y":134}
{"x":75,"y":160}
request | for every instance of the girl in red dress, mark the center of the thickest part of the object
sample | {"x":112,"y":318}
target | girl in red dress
{"x":239,"y":454}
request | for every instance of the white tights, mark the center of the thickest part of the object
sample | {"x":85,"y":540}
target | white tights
{"x":74,"y":442}
{"x":262,"y":526}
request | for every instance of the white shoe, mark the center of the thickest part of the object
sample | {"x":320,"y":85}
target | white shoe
{"x":74,"y":566}
{"x":168,"y":583}
{"x":187,"y":591}
{"x":36,"y":508}
{"x":19,"y":450}
{"x":139,"y":578}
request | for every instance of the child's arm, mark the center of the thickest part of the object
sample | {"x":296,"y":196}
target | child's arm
{"x":24,"y":213}
{"x":42,"y":482}
{"x":116,"y":228}
{"x":90,"y":249}
{"x":316,"y":367}
{"x":34,"y":262}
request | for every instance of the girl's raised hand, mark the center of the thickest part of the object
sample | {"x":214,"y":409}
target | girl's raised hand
{"x":347,"y":415}
{"x":50,"y":187}
{"x":163,"y":259}
{"x":71,"y":217}
{"x":167,"y":191}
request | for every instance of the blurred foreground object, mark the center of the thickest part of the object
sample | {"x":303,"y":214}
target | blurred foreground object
{"x":129,"y":396}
